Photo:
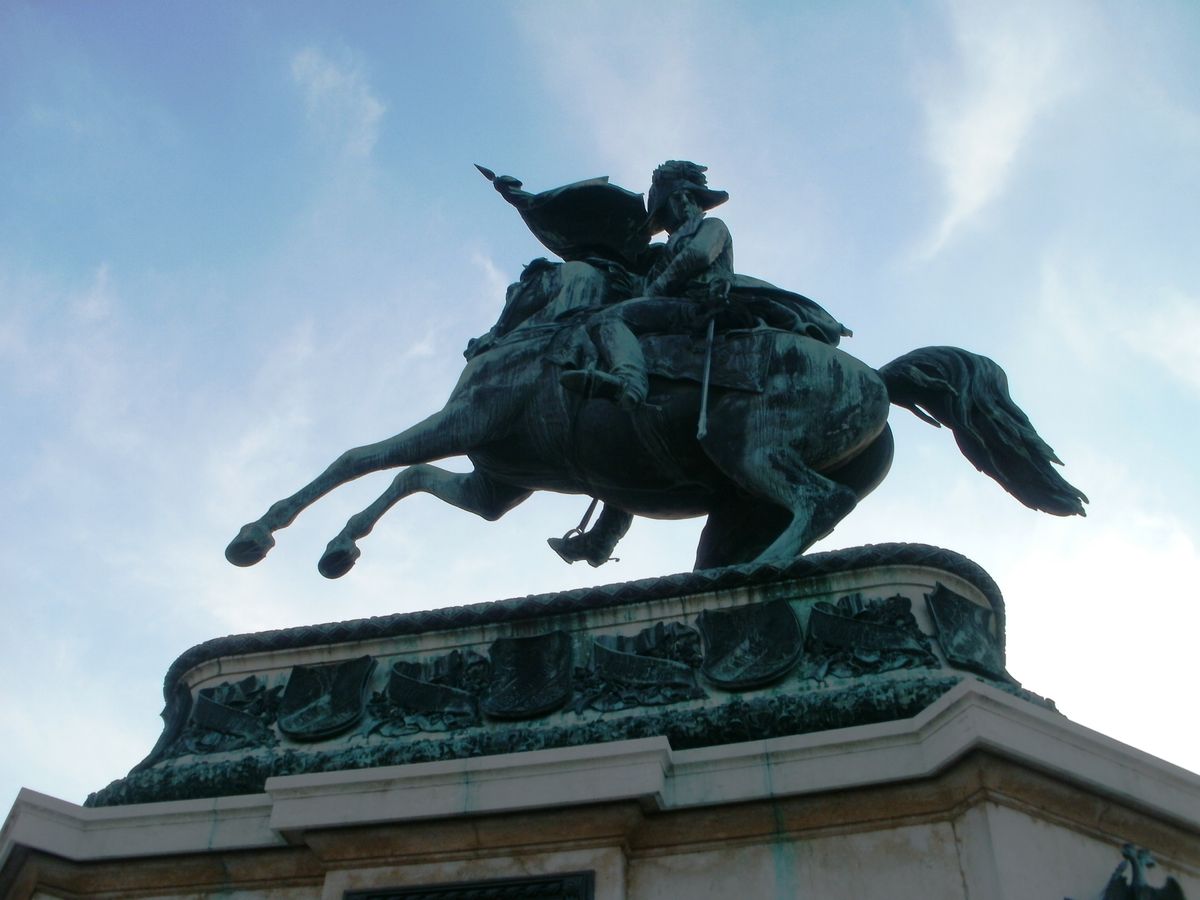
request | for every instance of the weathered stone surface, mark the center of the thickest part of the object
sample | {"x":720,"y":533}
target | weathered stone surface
{"x":979,"y":795}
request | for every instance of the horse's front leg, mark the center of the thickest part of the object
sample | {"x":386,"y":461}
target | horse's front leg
{"x":474,"y":492}
{"x":451,"y":432}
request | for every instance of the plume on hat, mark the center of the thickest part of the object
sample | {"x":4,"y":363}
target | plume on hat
{"x":675,"y":175}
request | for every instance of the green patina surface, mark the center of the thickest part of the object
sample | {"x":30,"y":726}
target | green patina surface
{"x":879,"y":699}
{"x":791,"y":661}
{"x":657,"y":379}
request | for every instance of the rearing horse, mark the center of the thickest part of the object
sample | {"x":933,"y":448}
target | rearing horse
{"x":779,"y":467}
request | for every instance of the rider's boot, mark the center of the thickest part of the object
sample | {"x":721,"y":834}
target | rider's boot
{"x":581,"y":546}
{"x":596,"y":545}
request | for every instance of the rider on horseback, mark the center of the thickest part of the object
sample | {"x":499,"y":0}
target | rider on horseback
{"x":620,"y":286}
{"x":789,"y":454}
{"x":696,"y":264}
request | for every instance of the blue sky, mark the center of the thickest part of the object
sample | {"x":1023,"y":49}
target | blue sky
{"x":236,"y":239}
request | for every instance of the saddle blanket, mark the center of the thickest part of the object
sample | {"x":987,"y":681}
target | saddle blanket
{"x":739,"y":360}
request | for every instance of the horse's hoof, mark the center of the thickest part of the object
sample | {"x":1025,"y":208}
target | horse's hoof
{"x":250,"y":546}
{"x":338,"y":559}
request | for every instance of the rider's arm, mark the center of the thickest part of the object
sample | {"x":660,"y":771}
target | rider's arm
{"x":693,"y":258}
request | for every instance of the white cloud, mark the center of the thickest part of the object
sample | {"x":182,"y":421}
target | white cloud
{"x":1174,"y":324}
{"x":495,"y":282}
{"x":99,"y":300}
{"x":117,"y":736}
{"x":340,"y":103}
{"x":425,"y":347}
{"x":1010,"y":67}
{"x":640,"y":84}
{"x":67,"y":346}
{"x":1088,"y":310}
{"x":276,"y":414}
{"x":1109,"y":597}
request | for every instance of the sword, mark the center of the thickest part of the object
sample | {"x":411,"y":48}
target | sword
{"x":702,"y":422}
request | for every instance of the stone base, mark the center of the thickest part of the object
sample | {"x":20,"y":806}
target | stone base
{"x":870,"y":634}
{"x":844,"y":728}
{"x":982,"y":796}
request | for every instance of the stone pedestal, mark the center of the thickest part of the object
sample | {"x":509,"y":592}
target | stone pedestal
{"x":843,"y":728}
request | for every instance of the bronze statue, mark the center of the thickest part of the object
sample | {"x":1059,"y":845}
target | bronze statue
{"x":600,"y":368}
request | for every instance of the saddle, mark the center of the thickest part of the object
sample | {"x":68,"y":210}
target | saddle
{"x":740,"y":359}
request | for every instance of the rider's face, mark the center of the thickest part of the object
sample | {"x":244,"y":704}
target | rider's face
{"x":679,"y":209}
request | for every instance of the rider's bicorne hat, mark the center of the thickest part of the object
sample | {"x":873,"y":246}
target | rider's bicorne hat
{"x":675,"y":175}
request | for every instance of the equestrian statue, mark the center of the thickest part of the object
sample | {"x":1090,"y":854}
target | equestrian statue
{"x":658,"y":381}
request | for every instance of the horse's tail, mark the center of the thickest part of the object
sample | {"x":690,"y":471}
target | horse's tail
{"x":969,"y":394}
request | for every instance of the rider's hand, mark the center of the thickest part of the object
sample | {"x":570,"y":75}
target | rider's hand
{"x":718,"y":293}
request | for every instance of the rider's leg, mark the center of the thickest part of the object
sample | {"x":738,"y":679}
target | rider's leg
{"x":474,"y":492}
{"x":597,"y":544}
{"x":621,"y":351}
{"x":623,"y":377}
{"x":615,"y":332}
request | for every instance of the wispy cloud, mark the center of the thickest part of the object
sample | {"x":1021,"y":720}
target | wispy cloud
{"x":495,"y":282}
{"x":66,"y":345}
{"x":96,"y":705}
{"x":1174,"y":323}
{"x":1008,"y":68}
{"x":1089,"y":311}
{"x":650,"y":89}
{"x":340,"y":103}
{"x":97,"y":303}
{"x":622,"y":87}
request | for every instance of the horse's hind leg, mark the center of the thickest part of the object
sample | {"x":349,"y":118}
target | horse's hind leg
{"x":738,"y":531}
{"x":778,"y":477}
{"x":866,"y":471}
{"x":445,"y":433}
{"x":474,"y":492}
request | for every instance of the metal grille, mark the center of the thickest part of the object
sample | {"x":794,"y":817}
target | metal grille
{"x":576,"y":886}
